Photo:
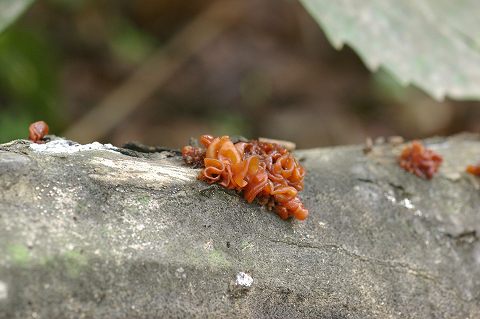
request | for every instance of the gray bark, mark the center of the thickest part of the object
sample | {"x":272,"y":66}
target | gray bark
{"x":100,"y":234}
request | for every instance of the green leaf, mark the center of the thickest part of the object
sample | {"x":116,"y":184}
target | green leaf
{"x":10,"y":10}
{"x":434,"y":44}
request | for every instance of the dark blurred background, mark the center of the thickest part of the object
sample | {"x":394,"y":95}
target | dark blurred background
{"x":160,"y":71}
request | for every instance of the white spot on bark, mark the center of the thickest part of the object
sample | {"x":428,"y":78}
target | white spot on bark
{"x":244,"y":280}
{"x":143,"y":171}
{"x":69,"y":147}
{"x":391,"y":198}
{"x":3,"y":291}
{"x":208,"y":245}
{"x":407,"y":203}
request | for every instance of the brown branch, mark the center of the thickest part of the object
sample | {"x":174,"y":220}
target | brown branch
{"x":156,"y":71}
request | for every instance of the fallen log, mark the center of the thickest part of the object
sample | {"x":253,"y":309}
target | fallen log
{"x":95,"y":231}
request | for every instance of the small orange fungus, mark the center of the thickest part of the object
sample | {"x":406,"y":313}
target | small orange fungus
{"x":419,"y":160}
{"x":263,"y":171}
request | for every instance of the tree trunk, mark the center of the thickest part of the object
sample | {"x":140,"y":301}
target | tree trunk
{"x":98,"y":232}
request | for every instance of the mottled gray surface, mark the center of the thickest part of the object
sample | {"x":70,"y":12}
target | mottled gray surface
{"x":98,"y":234}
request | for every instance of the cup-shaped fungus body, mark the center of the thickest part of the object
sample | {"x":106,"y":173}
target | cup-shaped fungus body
{"x":261,"y":170}
{"x":37,"y":131}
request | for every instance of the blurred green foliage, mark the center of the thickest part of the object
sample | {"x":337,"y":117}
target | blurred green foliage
{"x":32,"y":59}
{"x":128,"y":43}
{"x":271,"y":74}
{"x":28,"y":82}
{"x":10,"y":10}
{"x":227,"y":123}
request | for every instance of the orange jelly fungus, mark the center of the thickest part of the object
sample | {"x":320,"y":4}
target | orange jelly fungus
{"x":419,"y":160}
{"x":473,"y":169}
{"x":263,"y":171}
{"x":37,"y":131}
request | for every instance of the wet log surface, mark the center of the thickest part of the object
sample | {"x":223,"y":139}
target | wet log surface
{"x":99,"y":232}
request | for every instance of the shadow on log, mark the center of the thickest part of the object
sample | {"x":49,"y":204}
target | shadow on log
{"x":89,"y":232}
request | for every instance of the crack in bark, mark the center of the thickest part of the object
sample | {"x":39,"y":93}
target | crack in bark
{"x":465,"y":237}
{"x":387,"y":263}
{"x":391,"y":264}
{"x":399,"y":190}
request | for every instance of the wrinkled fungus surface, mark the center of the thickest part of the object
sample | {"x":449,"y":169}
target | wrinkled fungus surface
{"x":263,"y":171}
{"x":419,"y":160}
{"x":37,"y":131}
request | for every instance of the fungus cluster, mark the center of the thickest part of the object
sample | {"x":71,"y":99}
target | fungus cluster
{"x":261,"y":170}
{"x":419,"y":160}
{"x":37,"y":132}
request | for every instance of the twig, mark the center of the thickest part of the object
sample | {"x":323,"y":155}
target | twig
{"x":155,"y":71}
{"x":290,"y":146}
